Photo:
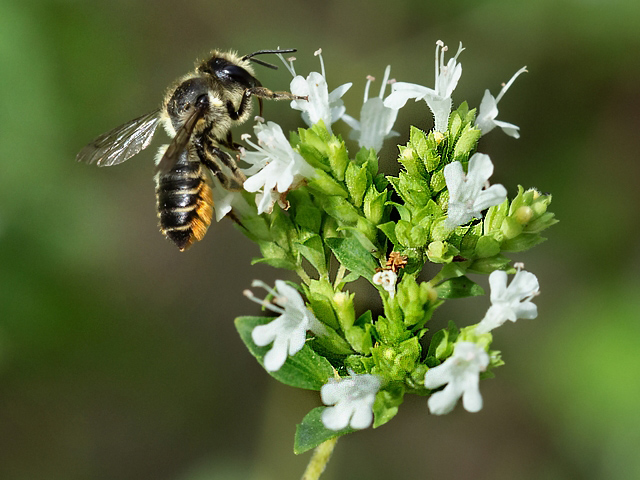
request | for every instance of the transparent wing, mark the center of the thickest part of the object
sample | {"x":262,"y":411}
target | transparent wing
{"x":179,"y":142}
{"x":121,"y":143}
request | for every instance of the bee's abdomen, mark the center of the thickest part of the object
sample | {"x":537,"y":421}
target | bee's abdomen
{"x":185,"y":204}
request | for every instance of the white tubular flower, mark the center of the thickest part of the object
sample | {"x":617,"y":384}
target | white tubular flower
{"x":288,"y":331}
{"x":275,"y":167}
{"x":512,"y":302}
{"x":224,"y":200}
{"x":387,"y":280}
{"x":376,"y":120}
{"x":352,"y":398}
{"x":438,"y":99}
{"x":467,"y":198}
{"x":321,"y":105}
{"x":461,"y":372}
{"x":486,"y":120}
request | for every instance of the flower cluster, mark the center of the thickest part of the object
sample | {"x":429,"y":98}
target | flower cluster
{"x":317,"y":206}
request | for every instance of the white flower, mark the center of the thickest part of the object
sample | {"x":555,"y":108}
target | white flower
{"x":512,"y":302}
{"x":387,"y":279}
{"x":225,"y":200}
{"x":288,"y":331}
{"x":352,"y":398}
{"x":461,"y":372}
{"x":467,"y":198}
{"x":321,"y":105}
{"x":438,"y":99}
{"x":488,"y":111}
{"x":376,"y":120}
{"x":276,"y":167}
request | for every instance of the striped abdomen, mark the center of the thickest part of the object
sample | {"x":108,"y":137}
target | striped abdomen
{"x":184,"y":202}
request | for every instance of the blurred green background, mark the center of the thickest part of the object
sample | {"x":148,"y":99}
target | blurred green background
{"x":118,"y":355}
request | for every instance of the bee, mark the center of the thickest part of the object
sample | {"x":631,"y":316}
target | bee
{"x":199,"y":112}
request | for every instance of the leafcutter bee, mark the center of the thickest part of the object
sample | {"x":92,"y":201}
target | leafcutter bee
{"x":199,"y":111}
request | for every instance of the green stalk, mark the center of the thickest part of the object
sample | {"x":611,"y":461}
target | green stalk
{"x":319,"y":460}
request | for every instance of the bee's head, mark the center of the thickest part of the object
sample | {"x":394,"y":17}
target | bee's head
{"x":230,"y":70}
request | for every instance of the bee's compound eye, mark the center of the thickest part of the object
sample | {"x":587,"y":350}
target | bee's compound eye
{"x":237,"y":74}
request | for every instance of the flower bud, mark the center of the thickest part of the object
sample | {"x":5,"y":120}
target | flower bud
{"x":511,"y":228}
{"x":356,"y":180}
{"x":487,"y":247}
{"x":374,"y":205}
{"x":523,"y":215}
{"x":338,"y":158}
{"x":411,"y":162}
{"x":441,"y":252}
{"x":411,"y":236}
{"x":343,"y":306}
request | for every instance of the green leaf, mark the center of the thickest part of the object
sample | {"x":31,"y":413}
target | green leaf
{"x":308,"y":217}
{"x":340,"y":209}
{"x":488,"y":265}
{"x":338,"y":157}
{"x":441,"y":344}
{"x":282,"y":229}
{"x":324,"y":184}
{"x":356,"y":180}
{"x":389,"y":229}
{"x":466,"y":144}
{"x":350,"y":277}
{"x":495,"y":216}
{"x":359,"y":339}
{"x":487,"y":247}
{"x":306,"y":369}
{"x":374,"y":205}
{"x":314,"y":157}
{"x":311,"y":432}
{"x":313,"y":250}
{"x":418,"y":140}
{"x":275,"y":256}
{"x":459,"y":287}
{"x":350,"y":253}
{"x":276,"y":263}
{"x":412,"y":162}
{"x":386,"y":404}
{"x":322,"y":308}
{"x":522,"y":242}
{"x":437,"y":182}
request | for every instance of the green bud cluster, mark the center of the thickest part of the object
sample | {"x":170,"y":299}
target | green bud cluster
{"x":346,"y":198}
{"x":345,"y":211}
{"x":516,"y":226}
{"x":421,"y":234}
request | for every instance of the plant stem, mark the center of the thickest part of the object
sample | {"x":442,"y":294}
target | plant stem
{"x":303,"y":276}
{"x":339,"y":276}
{"x":319,"y":460}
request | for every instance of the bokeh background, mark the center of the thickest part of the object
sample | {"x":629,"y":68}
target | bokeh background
{"x":118,"y":355}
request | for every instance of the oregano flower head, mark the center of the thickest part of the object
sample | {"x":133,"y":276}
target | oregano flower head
{"x":417,"y":239}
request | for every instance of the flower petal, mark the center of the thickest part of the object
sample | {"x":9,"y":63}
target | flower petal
{"x":337,"y":417}
{"x":441,"y":403}
{"x":402,"y":91}
{"x":361,"y":418}
{"x":471,"y":398}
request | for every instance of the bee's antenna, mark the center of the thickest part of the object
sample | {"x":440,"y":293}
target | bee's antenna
{"x":261,"y":52}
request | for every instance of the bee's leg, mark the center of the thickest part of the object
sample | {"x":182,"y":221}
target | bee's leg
{"x":237,"y":177}
{"x":229,"y":143}
{"x":263,"y":92}
{"x":260,"y":92}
